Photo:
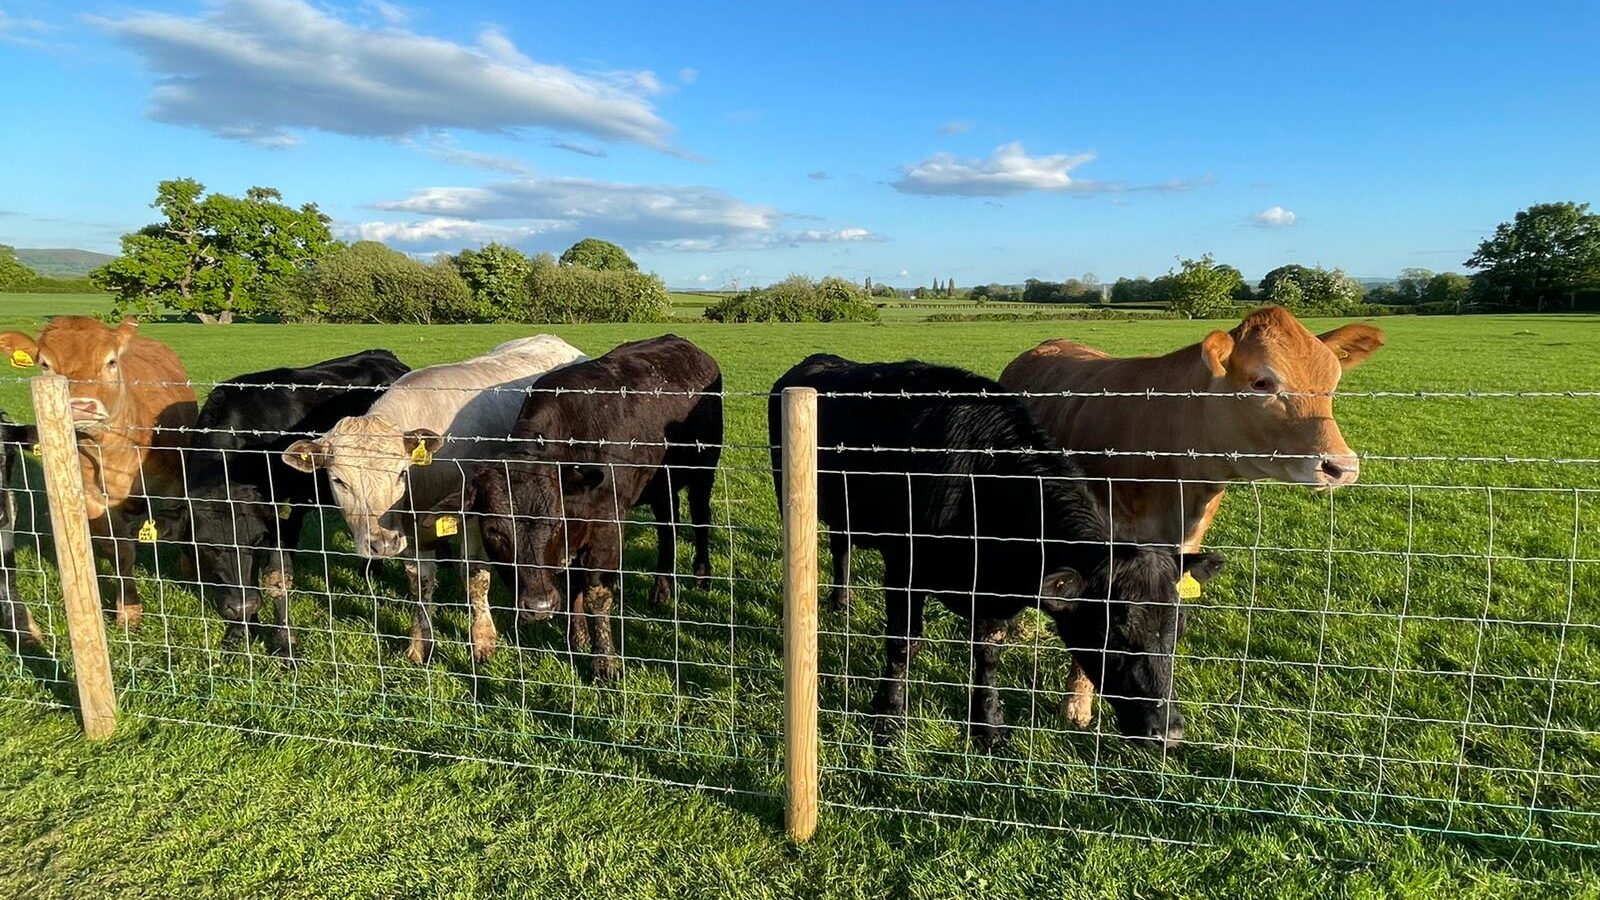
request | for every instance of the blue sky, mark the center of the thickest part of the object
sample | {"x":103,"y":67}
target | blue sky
{"x":738,"y":143}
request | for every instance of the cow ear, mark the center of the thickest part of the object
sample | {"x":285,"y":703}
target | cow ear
{"x":426,"y":438}
{"x":126,"y":332}
{"x":1215,"y":352}
{"x":1202,"y":567}
{"x":1352,"y":343}
{"x":577,"y":479}
{"x":307,"y":456}
{"x":1060,"y":590}
{"x":21,"y":350}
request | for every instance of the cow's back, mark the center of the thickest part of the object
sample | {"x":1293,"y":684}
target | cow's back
{"x":159,"y":392}
{"x":653,"y":403}
{"x":274,"y":407}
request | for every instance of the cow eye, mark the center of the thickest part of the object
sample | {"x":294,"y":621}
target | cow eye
{"x":1264,"y":385}
{"x":111,"y":363}
{"x":338,"y":482}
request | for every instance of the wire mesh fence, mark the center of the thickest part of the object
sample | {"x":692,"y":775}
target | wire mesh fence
{"x":1416,"y":650}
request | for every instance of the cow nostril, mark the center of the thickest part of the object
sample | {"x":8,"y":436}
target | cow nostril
{"x":1333,"y":470}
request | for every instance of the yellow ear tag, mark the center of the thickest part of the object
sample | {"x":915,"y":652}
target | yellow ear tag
{"x":305,"y":458}
{"x":147,"y":532}
{"x":420,"y":456}
{"x":21,"y":359}
{"x":283,"y":510}
{"x":1188,"y":587}
{"x":37,"y":451}
{"x":444,"y":526}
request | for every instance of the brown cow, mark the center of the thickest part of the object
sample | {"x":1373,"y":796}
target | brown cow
{"x":131,"y":406}
{"x":1270,"y":384}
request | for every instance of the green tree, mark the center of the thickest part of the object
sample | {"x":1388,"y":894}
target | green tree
{"x":1549,"y":253}
{"x":601,"y":255}
{"x":1449,"y":288}
{"x":1411,"y":286}
{"x":949,"y":287}
{"x":1201,"y":288}
{"x":215,"y":257}
{"x":498,"y":276}
{"x":1314,"y":289}
{"x":14,"y":275}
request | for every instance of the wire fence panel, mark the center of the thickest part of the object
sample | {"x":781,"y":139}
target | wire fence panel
{"x":37,"y":674}
{"x":1418,"y":650}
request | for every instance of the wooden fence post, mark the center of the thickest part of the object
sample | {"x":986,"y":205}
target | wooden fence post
{"x":800,"y":612}
{"x":69,"y":520}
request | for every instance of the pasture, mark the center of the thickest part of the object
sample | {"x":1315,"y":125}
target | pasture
{"x":1417,"y":650}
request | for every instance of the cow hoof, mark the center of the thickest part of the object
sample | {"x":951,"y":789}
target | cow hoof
{"x":702,"y":577}
{"x":130,"y":615}
{"x":603,"y":669}
{"x":32,"y":637}
{"x":483,"y":651}
{"x":662,"y":595}
{"x":990,"y":738}
{"x":886,"y":727}
{"x":234,"y":635}
{"x":839,"y":599}
{"x":282,"y":646}
{"x":1078,"y":709}
{"x":418,"y":653}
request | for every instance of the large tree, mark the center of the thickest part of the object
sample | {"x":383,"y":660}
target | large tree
{"x":14,"y":275}
{"x":597,"y":254}
{"x":498,"y":276}
{"x":214,"y":256}
{"x":1542,"y":258}
{"x":1201,"y":288}
{"x":1300,"y":288}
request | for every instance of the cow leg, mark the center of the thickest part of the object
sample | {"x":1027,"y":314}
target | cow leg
{"x":664,"y":504}
{"x":420,"y":573}
{"x":701,"y":482}
{"x":604,"y":558}
{"x":902,"y":627}
{"x":120,"y":551}
{"x":484,"y":637}
{"x":577,"y":622}
{"x":986,"y":722}
{"x":1078,"y":706}
{"x":277,"y":580}
{"x":839,"y":549}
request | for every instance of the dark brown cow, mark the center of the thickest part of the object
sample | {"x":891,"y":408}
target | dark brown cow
{"x":651,"y":427}
{"x":132,"y":405}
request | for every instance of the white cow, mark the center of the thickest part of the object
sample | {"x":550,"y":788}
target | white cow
{"x":409,"y":452}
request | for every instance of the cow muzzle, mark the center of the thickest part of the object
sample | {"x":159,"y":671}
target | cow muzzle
{"x":88,"y":413}
{"x":1337,"y":469}
{"x":382,"y":544}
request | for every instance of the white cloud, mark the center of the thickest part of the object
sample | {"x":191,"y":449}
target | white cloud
{"x":1274,"y":217}
{"x":818,"y":175}
{"x":442,"y":232}
{"x":442,"y":147}
{"x":903,"y":274}
{"x":688,"y":75}
{"x":259,"y":70}
{"x":642,"y":216}
{"x":702,"y":278}
{"x":1008,"y":170}
{"x":955,"y":126}
{"x":16,"y":31}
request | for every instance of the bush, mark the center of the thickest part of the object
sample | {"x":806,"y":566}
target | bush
{"x":577,"y":293}
{"x":798,"y":299}
{"x":368,"y":282}
{"x":1075,"y":314}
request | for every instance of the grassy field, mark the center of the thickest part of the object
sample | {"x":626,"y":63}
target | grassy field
{"x":1419,"y":650}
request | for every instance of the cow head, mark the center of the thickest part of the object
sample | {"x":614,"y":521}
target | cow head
{"x":89,"y":355}
{"x":368,"y":461}
{"x":223,"y":524}
{"x":1288,"y":375}
{"x":1122,"y":620}
{"x":533,"y":516}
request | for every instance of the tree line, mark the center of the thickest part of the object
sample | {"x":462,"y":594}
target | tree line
{"x":221,"y":258}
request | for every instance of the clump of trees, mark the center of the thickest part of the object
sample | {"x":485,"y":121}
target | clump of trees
{"x":1314,"y":290}
{"x":214,"y":256}
{"x":219,"y":258}
{"x":1547,"y":257}
{"x":1073,"y":290}
{"x":1202,"y":289}
{"x":14,"y":275}
{"x":798,"y":299}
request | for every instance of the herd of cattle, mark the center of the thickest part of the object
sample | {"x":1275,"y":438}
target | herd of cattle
{"x":525,"y":461}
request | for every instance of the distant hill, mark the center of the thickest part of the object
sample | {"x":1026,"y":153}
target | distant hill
{"x":62,"y":263}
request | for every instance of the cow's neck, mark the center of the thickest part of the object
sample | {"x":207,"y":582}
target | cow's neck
{"x":1171,"y":497}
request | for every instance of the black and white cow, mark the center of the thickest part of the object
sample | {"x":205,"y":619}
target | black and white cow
{"x":16,"y":623}
{"x":244,"y":507}
{"x":987,"y":534}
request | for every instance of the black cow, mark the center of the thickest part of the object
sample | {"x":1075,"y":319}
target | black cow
{"x":988,"y":535}
{"x":244,"y":507}
{"x":16,"y":623}
{"x":581,"y":460}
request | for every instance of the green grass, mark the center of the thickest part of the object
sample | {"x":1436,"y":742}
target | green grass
{"x":475,"y":797}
